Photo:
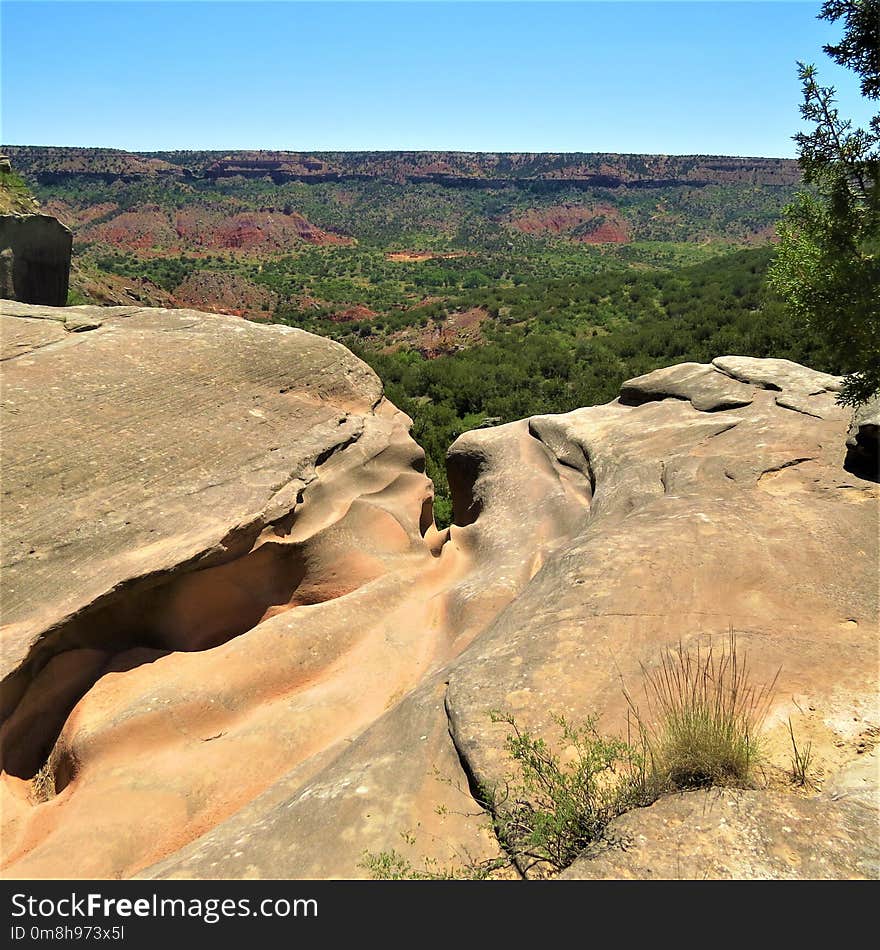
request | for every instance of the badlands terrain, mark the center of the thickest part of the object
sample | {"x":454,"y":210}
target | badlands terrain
{"x":237,"y":644}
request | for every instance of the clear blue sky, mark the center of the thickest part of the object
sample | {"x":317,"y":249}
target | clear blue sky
{"x":676,"y":78}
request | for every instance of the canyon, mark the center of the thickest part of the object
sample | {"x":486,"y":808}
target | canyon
{"x":464,"y":169}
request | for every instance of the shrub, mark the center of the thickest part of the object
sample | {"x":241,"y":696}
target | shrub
{"x":553,"y":809}
{"x":393,"y":866}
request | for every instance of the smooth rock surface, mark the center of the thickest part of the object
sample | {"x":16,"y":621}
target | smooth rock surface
{"x":682,"y":525}
{"x":735,"y":834}
{"x":705,"y":389}
{"x":171,"y":481}
{"x":781,"y":375}
{"x":220,"y":565}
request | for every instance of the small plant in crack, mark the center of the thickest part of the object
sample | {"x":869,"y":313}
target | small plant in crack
{"x":701,"y":728}
{"x":43,"y":783}
{"x":801,"y":761}
{"x":393,"y":866}
{"x":558,"y":805}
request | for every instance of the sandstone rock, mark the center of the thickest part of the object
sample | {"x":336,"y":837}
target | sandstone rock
{"x":699,"y":522}
{"x":153,"y":469}
{"x":36,"y":264}
{"x":863,"y":442}
{"x":398,"y":786}
{"x":781,"y":375}
{"x":858,"y":781}
{"x":681,"y":524}
{"x":701,"y":385}
{"x":223,"y":525}
{"x":384,"y":789}
{"x":737,"y":834}
{"x":227,"y":600}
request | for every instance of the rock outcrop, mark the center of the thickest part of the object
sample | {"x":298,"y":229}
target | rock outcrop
{"x":863,"y":444}
{"x":736,"y":834}
{"x":236,"y":645}
{"x":35,"y":254}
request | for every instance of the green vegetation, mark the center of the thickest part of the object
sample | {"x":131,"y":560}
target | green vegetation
{"x":555,"y":345}
{"x":165,"y":272}
{"x":15,"y":196}
{"x":76,"y":298}
{"x":496,"y":322}
{"x":701,"y":728}
{"x":394,"y":866}
{"x":547,"y":812}
{"x":554,"y":808}
{"x":562,"y":328}
{"x":828,"y":267}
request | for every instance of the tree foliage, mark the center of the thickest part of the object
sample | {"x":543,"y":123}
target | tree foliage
{"x":828,"y":264}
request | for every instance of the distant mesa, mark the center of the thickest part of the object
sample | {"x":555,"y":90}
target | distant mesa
{"x":466,"y":169}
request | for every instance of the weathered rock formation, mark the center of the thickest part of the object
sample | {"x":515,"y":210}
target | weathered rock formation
{"x":863,"y":444}
{"x":736,"y":834}
{"x":34,"y":259}
{"x":235,"y":645}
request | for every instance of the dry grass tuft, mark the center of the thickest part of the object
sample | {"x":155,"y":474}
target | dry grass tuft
{"x":801,"y":761}
{"x":43,"y":784}
{"x":704,"y":717}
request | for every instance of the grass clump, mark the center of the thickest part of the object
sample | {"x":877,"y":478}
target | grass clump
{"x":43,"y":784}
{"x":704,"y":717}
{"x":801,"y":761}
{"x":393,"y":866}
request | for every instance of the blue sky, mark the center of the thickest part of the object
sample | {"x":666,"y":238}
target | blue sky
{"x":668,"y":77}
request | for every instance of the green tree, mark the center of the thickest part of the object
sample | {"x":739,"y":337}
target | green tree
{"x":828,"y":262}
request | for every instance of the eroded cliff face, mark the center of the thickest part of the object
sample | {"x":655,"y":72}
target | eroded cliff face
{"x":236,"y":645}
{"x":35,"y":254}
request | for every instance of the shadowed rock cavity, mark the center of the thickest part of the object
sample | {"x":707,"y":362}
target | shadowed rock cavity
{"x":463,"y":466}
{"x":34,"y":259}
{"x":863,"y":442}
{"x":191,"y":611}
